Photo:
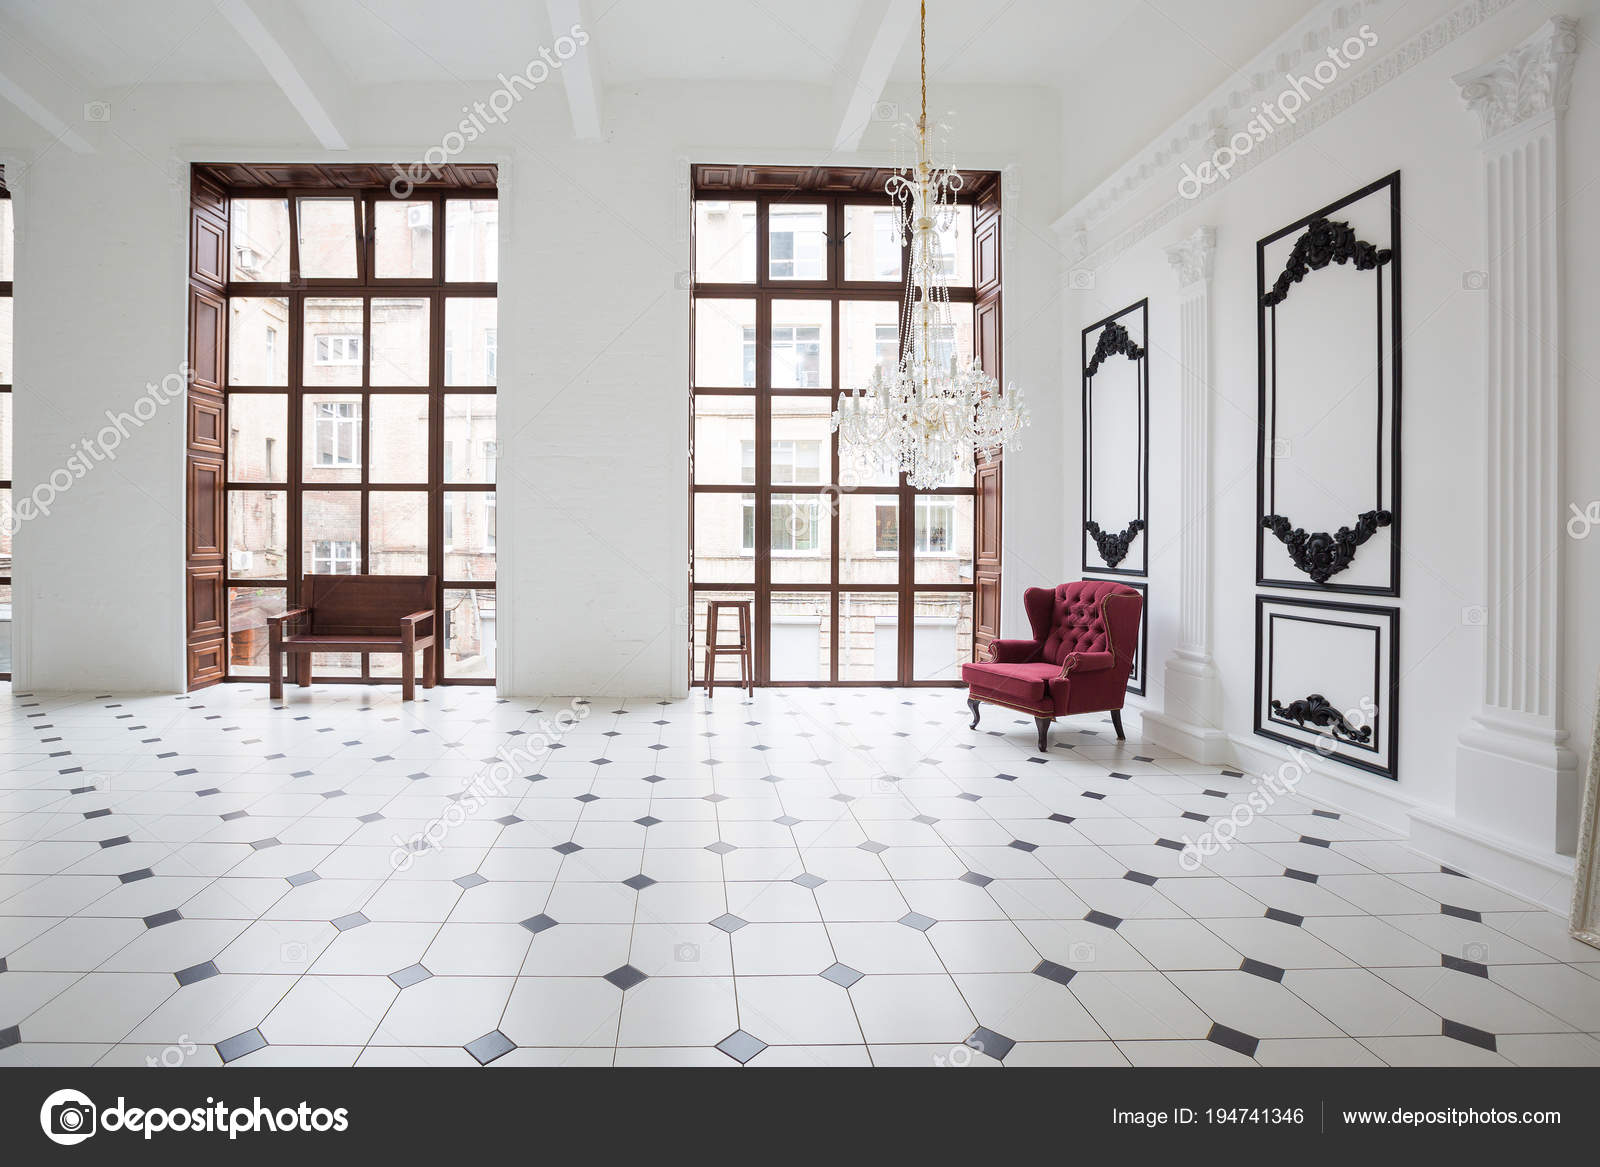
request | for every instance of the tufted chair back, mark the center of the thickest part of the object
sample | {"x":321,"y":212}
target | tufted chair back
{"x":1085,"y":616}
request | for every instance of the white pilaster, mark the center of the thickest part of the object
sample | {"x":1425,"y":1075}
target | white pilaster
{"x":1515,"y":776}
{"x":1191,"y":715}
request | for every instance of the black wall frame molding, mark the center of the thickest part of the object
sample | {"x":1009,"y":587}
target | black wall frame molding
{"x":1306,"y":718}
{"x":1320,"y":556}
{"x":1117,"y":545}
{"x":1136,"y":679}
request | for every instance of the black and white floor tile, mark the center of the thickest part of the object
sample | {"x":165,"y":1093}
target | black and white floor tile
{"x":810,"y":877}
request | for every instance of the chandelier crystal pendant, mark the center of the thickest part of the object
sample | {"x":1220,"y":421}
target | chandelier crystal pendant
{"x":930,"y":417}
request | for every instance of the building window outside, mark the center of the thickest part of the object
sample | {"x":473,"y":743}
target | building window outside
{"x":332,"y":348}
{"x":336,"y":436}
{"x":335,"y":557}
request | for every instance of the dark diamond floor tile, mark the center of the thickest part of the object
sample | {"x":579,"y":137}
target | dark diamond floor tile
{"x":566,"y":848}
{"x":840,"y":974}
{"x":170,"y":916}
{"x":1303,"y":876}
{"x":976,"y":879}
{"x":1051,"y":971}
{"x":987,"y":1041}
{"x":136,"y":876}
{"x":10,"y":1036}
{"x":196,"y":973}
{"x":875,"y":847}
{"x":303,"y":878}
{"x":350,"y":920}
{"x":1239,"y":1043}
{"x":1468,"y":1034}
{"x":490,"y":1046}
{"x":412,"y":975}
{"x":626,"y":977}
{"x":1461,"y":913}
{"x":720,"y":848}
{"x":741,"y":1046}
{"x":638,"y":882}
{"x":1283,"y":917}
{"x":1104,"y":919}
{"x":1258,"y":968}
{"x":1139,"y":877}
{"x":539,"y":923}
{"x":648,"y":820}
{"x":235,"y":1047}
{"x":918,"y":921}
{"x":728,"y":922}
{"x":806,"y":879}
{"x":1470,"y":967}
{"x":1022,"y":845}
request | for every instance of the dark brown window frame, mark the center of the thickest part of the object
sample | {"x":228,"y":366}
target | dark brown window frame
{"x":6,"y":484}
{"x":836,"y":188}
{"x":366,"y":287}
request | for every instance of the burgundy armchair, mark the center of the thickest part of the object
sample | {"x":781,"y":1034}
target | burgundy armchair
{"x":1078,"y":661}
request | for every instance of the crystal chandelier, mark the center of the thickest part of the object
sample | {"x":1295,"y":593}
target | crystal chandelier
{"x":930,"y":417}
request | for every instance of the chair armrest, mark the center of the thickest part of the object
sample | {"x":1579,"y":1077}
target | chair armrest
{"x":1086,"y":662}
{"x":1013,"y":652}
{"x":416,"y":618}
{"x":289,"y":617}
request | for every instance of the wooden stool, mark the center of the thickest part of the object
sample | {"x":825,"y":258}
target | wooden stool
{"x":747,"y":670}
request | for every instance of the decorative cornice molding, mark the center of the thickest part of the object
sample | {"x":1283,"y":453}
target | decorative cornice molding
{"x":1158,"y":162}
{"x":1191,"y":257}
{"x":1531,"y":80}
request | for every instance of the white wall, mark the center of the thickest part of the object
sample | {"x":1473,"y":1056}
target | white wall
{"x":1417,"y":124}
{"x":593,"y":355}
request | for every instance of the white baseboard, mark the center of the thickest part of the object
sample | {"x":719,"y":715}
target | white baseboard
{"x":1205,"y":744}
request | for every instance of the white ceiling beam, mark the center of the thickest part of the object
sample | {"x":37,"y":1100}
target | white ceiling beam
{"x":578,"y":72}
{"x":301,"y":65}
{"x":875,"y":44}
{"x":40,"y":91}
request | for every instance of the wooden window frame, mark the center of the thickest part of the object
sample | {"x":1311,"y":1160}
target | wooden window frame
{"x":838,"y":189}
{"x":366,"y":287}
{"x":6,"y":484}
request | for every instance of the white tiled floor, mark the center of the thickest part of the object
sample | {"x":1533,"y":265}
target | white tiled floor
{"x":809,"y":878}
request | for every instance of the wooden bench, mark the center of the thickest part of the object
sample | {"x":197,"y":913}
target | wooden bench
{"x":357,"y":613}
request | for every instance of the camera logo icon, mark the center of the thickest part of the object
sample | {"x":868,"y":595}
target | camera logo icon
{"x":686,"y":953}
{"x":68,"y":1117}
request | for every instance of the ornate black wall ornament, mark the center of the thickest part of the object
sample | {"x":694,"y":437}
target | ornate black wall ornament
{"x":1116,"y":443}
{"x":1337,"y":338}
{"x":1113,"y":547}
{"x":1319,"y":554}
{"x":1317,"y":710}
{"x":1325,"y":242}
{"x":1114,"y":341}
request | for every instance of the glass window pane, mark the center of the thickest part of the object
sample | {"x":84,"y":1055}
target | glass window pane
{"x":469,"y":535}
{"x":869,"y":625}
{"x":7,"y":241}
{"x":258,"y":437}
{"x":397,"y":526}
{"x":802,"y":344}
{"x":955,"y":248}
{"x":724,"y":538}
{"x":469,"y":633}
{"x":797,"y":242}
{"x":471,"y":341}
{"x":403,"y":245}
{"x":724,"y":242}
{"x":248,"y":609}
{"x":8,"y":525}
{"x":399,"y":341}
{"x":258,"y":238}
{"x":802,"y":442}
{"x":869,"y":536}
{"x":869,"y":338}
{"x":258,"y":534}
{"x":6,"y":430}
{"x":5,"y":624}
{"x":471,"y":445}
{"x":327,"y":237}
{"x":802,"y":537}
{"x":941,"y":640}
{"x":724,"y":440}
{"x":943,"y":534}
{"x":332,"y":437}
{"x":800,"y":632}
{"x":258,"y":340}
{"x":472,"y":240}
{"x":954,"y":339}
{"x":333,"y":341}
{"x":725,"y":343}
{"x":330,"y":531}
{"x":872,"y":249}
{"x":399,"y":437}
{"x":727,"y":633}
{"x":5,"y":341}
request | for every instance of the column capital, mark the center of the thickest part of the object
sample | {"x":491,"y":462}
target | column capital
{"x":1191,"y":256}
{"x":1529,"y":81}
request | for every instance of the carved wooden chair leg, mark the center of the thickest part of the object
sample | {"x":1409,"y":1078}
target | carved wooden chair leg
{"x":1044,"y":732}
{"x":1116,"y":722}
{"x":977,"y":711}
